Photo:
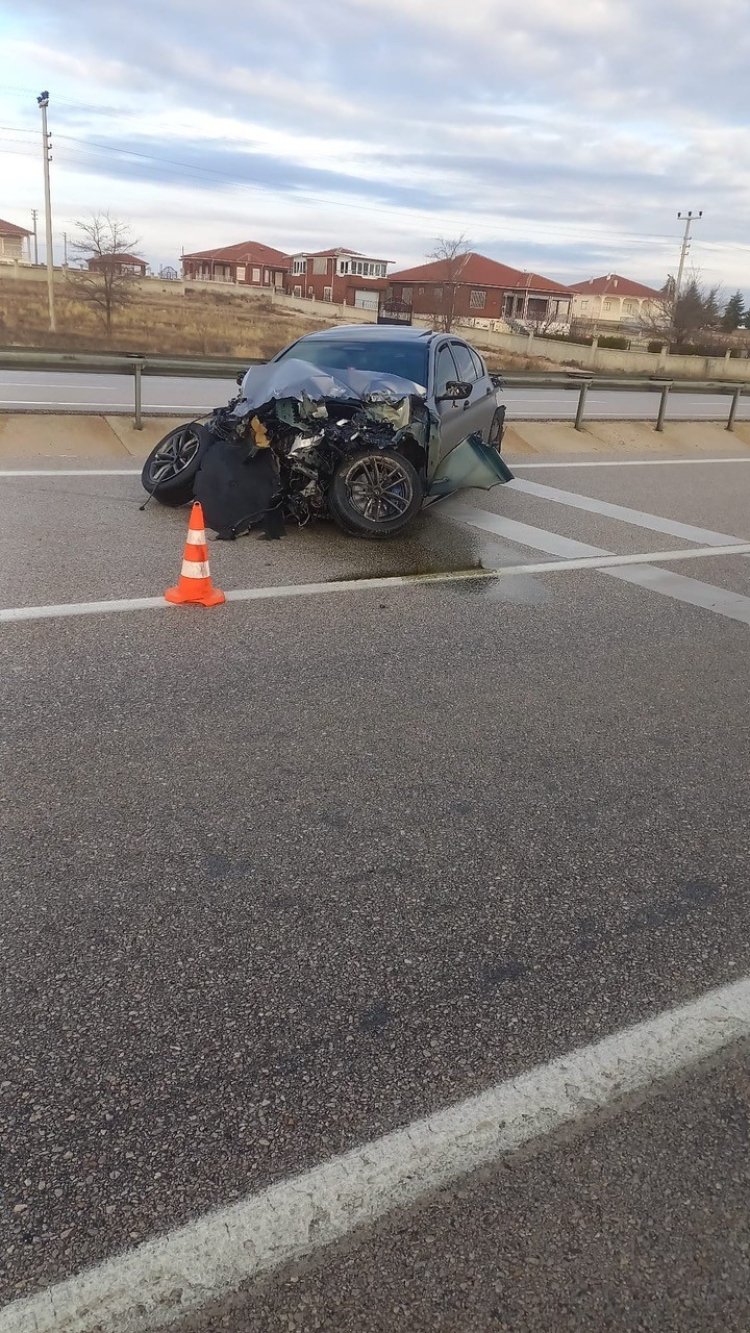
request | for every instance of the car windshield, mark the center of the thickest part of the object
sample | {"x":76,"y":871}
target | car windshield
{"x":388,"y":356}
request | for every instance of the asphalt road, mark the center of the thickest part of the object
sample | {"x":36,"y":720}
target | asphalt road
{"x":110,"y":392}
{"x":286,"y":875}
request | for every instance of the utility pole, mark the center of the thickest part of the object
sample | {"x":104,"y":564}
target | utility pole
{"x":65,"y":249}
{"x":36,"y":239}
{"x":688,"y":219}
{"x":43,"y":103}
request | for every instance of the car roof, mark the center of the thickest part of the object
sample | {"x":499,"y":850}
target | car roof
{"x":393,"y":332}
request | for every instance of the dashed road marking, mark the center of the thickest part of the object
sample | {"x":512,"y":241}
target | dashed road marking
{"x":635,"y":517}
{"x":693,"y":592}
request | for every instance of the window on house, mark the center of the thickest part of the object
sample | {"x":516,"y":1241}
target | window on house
{"x":298,"y":266}
{"x":256,"y":275}
{"x":477,"y":300}
{"x":266,"y":277}
{"x":407,"y":295}
{"x":328,"y":293}
{"x":609,"y":305}
{"x":631,"y":307}
{"x":320,"y":265}
{"x":420,"y":291}
{"x":584,"y":304}
{"x":438,"y":293}
{"x":297,"y":291}
{"x":343,"y":267}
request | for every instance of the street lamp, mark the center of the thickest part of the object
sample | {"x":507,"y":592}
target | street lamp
{"x":43,"y":103}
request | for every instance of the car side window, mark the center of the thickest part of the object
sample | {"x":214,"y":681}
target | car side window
{"x":476,"y":358}
{"x":464,"y":361}
{"x":445,"y":369}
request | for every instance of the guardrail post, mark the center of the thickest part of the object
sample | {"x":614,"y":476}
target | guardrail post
{"x":138,"y":379}
{"x":735,"y":404}
{"x":582,"y":396}
{"x":663,"y":406}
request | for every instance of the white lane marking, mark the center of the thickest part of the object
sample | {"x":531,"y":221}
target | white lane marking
{"x":691,"y":591}
{"x":73,"y":472}
{"x":49,"y":406}
{"x":629,"y":462}
{"x":164,"y":1280}
{"x":516,"y":467}
{"x":635,"y":517}
{"x":603,"y":560}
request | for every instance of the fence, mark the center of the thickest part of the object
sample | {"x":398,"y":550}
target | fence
{"x":593,"y":357}
{"x":229,"y":368}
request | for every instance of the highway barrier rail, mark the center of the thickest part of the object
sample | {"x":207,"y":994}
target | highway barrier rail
{"x":136,"y":366}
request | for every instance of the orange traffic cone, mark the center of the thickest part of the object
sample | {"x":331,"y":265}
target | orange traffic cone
{"x":194,"y":584}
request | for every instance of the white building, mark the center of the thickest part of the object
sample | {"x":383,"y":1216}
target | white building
{"x":614,"y":300}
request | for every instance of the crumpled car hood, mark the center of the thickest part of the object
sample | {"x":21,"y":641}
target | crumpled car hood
{"x":293,"y":378}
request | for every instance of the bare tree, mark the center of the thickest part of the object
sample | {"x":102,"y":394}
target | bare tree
{"x":104,"y":279}
{"x":452,"y":256}
{"x":695,"y":310}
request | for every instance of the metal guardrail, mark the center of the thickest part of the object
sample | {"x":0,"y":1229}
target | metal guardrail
{"x":129,"y":364}
{"x":135,"y":365}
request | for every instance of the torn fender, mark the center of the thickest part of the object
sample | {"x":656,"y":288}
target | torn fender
{"x":471,"y":463}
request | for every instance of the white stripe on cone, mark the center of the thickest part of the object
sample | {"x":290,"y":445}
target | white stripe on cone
{"x":195,"y":569}
{"x":196,"y":537}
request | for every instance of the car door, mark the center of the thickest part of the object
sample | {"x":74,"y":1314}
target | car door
{"x":451,"y":416}
{"x":478,"y":410}
{"x":466,"y":460}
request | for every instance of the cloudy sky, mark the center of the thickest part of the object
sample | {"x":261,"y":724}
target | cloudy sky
{"x":561,"y":136}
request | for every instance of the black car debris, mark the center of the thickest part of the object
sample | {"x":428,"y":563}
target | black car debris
{"x":363,"y":425}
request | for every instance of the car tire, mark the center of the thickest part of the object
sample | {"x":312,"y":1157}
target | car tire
{"x":375,"y":493}
{"x":169,"y":471}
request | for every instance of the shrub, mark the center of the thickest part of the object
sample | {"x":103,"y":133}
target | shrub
{"x":614,"y":343}
{"x":655,"y":345}
{"x":699,"y":349}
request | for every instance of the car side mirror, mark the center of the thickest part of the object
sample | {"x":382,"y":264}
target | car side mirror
{"x":454,"y":391}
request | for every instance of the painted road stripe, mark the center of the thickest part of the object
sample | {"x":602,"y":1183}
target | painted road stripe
{"x":164,"y":1280}
{"x":691,"y":591}
{"x":635,"y":517}
{"x":629,"y":462}
{"x":516,"y":465}
{"x":715,"y":599}
{"x":74,"y":472}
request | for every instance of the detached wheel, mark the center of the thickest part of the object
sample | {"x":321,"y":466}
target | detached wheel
{"x":375,"y":493}
{"x":169,"y":471}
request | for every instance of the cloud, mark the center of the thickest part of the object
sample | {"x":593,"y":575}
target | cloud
{"x":558,"y":134}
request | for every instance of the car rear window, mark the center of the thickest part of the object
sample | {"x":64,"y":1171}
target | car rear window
{"x":388,"y":357}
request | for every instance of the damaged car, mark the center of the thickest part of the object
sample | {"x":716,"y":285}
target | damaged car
{"x":362,"y":424}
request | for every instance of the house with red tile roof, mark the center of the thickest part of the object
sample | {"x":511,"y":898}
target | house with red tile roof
{"x":344,"y":276}
{"x":13,"y":243}
{"x":614,"y":300}
{"x":119,"y":263}
{"x":481,"y":289}
{"x":249,"y":263}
